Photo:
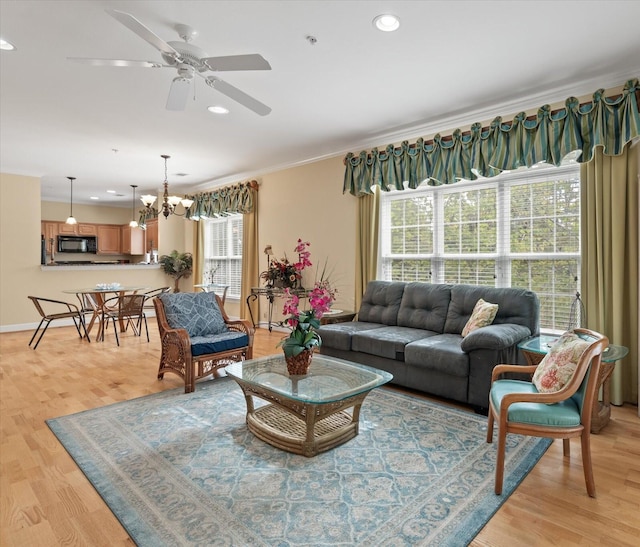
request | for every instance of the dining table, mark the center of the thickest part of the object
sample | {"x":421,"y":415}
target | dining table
{"x":92,"y":300}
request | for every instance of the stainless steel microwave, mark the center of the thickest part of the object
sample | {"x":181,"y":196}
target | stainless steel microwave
{"x":77,"y":244}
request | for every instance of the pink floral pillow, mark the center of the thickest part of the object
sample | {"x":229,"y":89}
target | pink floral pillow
{"x":483,"y":314}
{"x":559,"y":365}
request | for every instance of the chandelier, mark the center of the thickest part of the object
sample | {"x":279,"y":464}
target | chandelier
{"x":169,"y":203}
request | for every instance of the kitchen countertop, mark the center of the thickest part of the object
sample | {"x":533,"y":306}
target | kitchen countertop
{"x":93,"y":267}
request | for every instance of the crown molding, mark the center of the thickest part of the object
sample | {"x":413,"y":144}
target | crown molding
{"x":447,"y":124}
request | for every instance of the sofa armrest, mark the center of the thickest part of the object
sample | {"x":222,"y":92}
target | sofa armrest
{"x":495,"y":337}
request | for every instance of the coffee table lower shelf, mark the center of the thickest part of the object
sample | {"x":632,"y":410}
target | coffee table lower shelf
{"x":286,"y":431}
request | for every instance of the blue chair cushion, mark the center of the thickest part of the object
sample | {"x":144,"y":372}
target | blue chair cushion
{"x":201,"y":345}
{"x":197,"y":313}
{"x":562,"y":414}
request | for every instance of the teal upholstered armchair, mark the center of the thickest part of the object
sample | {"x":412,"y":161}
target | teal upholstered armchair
{"x":198,"y":337}
{"x":556,"y":403}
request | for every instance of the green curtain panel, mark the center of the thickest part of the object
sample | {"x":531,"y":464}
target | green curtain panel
{"x":609,"y":273}
{"x":524,"y":141}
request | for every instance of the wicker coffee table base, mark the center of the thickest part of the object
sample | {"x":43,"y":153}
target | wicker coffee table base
{"x":301,"y":428}
{"x":281,"y":429}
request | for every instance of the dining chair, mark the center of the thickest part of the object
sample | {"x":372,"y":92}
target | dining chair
{"x":556,"y":403}
{"x":127,"y":309}
{"x":72,"y":312}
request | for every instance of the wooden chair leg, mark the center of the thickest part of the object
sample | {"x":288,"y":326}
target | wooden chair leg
{"x":502,"y":442}
{"x":490,"y":426}
{"x":566,"y":447}
{"x":586,"y":463}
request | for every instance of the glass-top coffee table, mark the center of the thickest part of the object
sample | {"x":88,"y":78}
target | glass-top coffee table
{"x":305,"y":414}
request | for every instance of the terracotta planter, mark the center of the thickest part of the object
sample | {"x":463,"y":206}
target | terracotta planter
{"x":300,"y":363}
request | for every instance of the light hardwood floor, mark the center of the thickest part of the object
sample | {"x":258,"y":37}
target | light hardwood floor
{"x":45,"y":500}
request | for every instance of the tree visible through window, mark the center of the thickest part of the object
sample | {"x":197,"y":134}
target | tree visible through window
{"x":521,"y":229}
{"x":223,"y":253}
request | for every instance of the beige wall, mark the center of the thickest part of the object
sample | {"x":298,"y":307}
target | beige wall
{"x":20,"y":271}
{"x":302,"y":202}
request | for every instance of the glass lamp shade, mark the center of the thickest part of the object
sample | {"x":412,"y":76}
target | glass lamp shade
{"x":133,"y":224}
{"x":174,"y":200}
{"x":148,"y":200}
{"x":186,"y":202}
{"x":71,"y":220}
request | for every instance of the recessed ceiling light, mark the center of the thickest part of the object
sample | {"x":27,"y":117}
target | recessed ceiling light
{"x":218,"y":110}
{"x":94,"y":197}
{"x":111,"y":191}
{"x":7,"y":46}
{"x":386,"y":22}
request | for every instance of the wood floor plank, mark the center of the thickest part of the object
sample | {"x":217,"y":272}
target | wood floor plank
{"x":45,"y":500}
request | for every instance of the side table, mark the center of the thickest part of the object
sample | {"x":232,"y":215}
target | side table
{"x":534,"y":349}
{"x":337,"y":316}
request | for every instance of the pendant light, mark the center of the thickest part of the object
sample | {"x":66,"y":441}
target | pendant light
{"x":133,"y":222}
{"x":71,"y":219}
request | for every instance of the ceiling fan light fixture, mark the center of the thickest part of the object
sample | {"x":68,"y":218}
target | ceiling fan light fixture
{"x":386,"y":22}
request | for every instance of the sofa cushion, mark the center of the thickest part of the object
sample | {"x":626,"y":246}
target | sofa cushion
{"x":441,"y":352}
{"x":559,"y":365}
{"x":339,"y":335}
{"x":197,"y":313}
{"x":518,"y":306}
{"x":381,"y":302}
{"x":202,"y":345}
{"x":387,"y":342}
{"x":482,"y":315}
{"x":424,"y":306}
{"x":496,"y":337}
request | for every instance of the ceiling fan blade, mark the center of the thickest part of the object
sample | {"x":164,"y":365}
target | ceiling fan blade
{"x":238,"y":96}
{"x":178,"y":93}
{"x":136,"y":26}
{"x":252,"y":61}
{"x":116,"y":62}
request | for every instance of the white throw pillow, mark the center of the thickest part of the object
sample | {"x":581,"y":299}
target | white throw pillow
{"x":483,"y":314}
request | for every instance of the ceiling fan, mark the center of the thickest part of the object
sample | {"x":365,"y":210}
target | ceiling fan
{"x":189,"y":60}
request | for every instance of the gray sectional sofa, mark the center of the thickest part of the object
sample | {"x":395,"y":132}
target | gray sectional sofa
{"x":412,"y":330}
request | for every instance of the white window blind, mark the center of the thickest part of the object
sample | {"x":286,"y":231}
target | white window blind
{"x":223,"y":253}
{"x":520,"y":229}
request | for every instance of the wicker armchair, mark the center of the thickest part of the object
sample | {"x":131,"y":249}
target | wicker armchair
{"x":188,"y":350}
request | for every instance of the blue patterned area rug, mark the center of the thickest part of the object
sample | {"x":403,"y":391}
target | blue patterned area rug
{"x":181,"y":469}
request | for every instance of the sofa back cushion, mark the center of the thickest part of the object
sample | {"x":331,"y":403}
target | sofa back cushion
{"x":424,"y":306}
{"x":517,"y":306}
{"x":381,"y":302}
{"x":197,"y":313}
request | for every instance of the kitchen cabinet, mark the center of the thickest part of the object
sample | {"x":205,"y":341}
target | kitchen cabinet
{"x":132,"y":241}
{"x":87,"y":229}
{"x":108,"y":239}
{"x":67,"y":229}
{"x":151,"y":235}
{"x":50,"y":231}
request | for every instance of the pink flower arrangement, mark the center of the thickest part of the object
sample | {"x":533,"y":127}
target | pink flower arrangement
{"x":304,"y":323}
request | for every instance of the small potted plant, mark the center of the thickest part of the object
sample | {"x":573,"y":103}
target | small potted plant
{"x":177,"y":265}
{"x":298,"y":347}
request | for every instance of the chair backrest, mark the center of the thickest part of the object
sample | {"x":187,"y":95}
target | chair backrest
{"x":155,"y":292}
{"x":125,"y":305}
{"x":198,"y":313}
{"x":588,"y":372}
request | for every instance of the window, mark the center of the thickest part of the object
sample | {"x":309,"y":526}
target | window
{"x":223,"y":252}
{"x":521,"y":229}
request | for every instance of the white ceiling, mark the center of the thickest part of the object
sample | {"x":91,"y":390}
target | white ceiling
{"x":450,"y":63}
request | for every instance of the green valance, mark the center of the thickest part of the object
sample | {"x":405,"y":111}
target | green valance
{"x":238,"y":198}
{"x":547,"y":137}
